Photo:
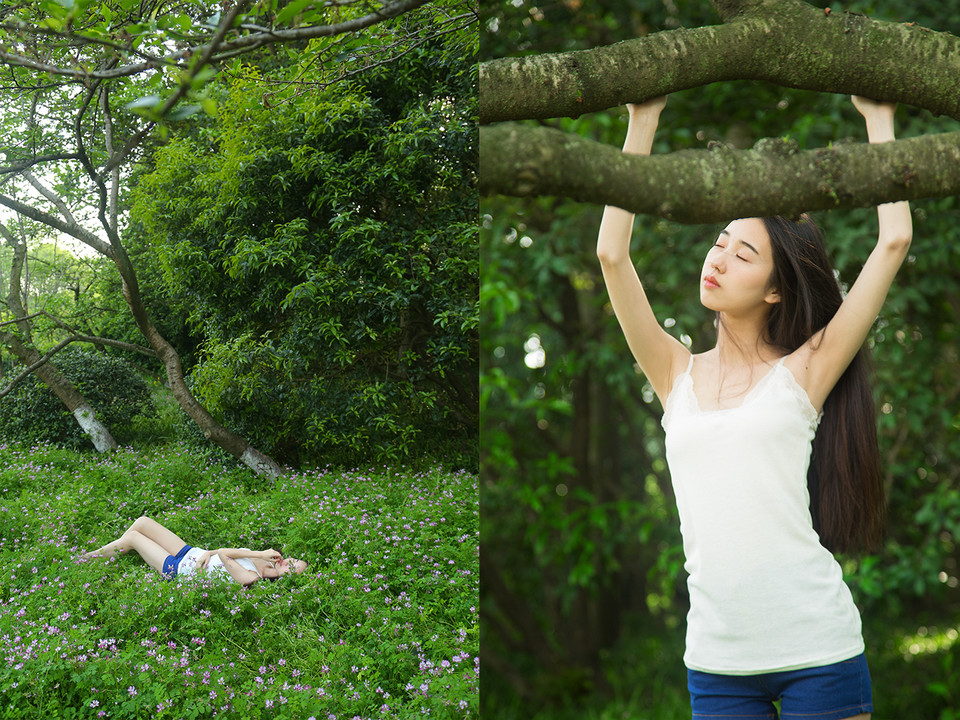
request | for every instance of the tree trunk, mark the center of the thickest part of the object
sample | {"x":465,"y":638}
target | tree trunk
{"x":212,"y":430}
{"x":76,"y":403}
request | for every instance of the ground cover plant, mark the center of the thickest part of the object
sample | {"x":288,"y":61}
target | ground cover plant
{"x":383,"y":623}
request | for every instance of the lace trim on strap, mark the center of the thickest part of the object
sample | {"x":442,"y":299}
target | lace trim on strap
{"x":797,"y":392}
{"x":677,"y":395}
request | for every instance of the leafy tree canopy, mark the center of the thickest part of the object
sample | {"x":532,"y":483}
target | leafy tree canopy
{"x":323,"y":247}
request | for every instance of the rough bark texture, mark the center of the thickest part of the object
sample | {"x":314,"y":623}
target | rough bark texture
{"x":786,"y":42}
{"x":97,"y":432}
{"x":700,"y":186}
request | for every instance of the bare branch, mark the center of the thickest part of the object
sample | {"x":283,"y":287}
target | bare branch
{"x":21,"y":319}
{"x":22,"y":165}
{"x":49,"y":195}
{"x":45,"y":358}
{"x":74,"y":230}
{"x":215,"y":51}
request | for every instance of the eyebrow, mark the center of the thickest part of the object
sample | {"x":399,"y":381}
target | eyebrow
{"x":742,"y":242}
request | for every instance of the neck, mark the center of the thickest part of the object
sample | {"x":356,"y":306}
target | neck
{"x":740,"y":341}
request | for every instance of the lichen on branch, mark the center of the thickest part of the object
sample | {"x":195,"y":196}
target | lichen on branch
{"x":701,"y":186}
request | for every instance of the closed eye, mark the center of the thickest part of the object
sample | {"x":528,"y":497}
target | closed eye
{"x":724,"y":247}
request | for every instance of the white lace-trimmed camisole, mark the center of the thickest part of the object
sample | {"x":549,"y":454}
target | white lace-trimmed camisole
{"x":188,"y":566}
{"x":765,"y":595}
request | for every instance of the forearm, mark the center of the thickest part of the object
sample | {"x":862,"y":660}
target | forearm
{"x":896,"y":223}
{"x":613,"y":243}
{"x":225,"y":553}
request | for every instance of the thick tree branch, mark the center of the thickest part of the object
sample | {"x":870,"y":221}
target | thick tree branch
{"x":700,"y":186}
{"x":785,"y":42}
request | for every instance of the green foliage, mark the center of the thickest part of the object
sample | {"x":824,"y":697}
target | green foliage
{"x":580,"y":529}
{"x":32,"y":413}
{"x":326,"y":254}
{"x":383,"y":623}
{"x":155,"y":73}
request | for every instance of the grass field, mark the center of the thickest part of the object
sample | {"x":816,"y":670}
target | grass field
{"x":383,"y":623}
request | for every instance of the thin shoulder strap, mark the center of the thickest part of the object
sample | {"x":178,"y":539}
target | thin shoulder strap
{"x":254,"y":564}
{"x":689,"y":365}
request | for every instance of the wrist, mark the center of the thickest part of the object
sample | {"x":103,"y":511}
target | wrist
{"x":879,"y":126}
{"x":880,"y":132}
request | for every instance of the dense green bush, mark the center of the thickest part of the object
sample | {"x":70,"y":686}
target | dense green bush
{"x":325,"y":256}
{"x":32,"y":413}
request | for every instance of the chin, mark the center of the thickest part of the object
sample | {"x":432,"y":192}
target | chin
{"x":705,"y":301}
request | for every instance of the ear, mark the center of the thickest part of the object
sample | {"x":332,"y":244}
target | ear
{"x":772,"y":297}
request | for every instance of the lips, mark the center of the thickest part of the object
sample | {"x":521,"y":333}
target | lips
{"x":710,"y":282}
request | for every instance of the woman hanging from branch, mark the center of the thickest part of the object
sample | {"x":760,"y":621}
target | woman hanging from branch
{"x":772,"y":446}
{"x":165,"y":552}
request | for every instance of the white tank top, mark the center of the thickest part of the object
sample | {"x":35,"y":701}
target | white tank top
{"x":188,"y":566}
{"x":765,"y":595}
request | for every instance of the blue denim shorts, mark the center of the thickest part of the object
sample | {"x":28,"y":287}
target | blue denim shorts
{"x":171,"y":562}
{"x":828,"y":692}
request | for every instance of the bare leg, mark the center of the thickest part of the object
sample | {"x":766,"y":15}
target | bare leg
{"x":864,"y":716}
{"x":148,"y":549}
{"x":167,"y":539}
{"x":143,"y":529}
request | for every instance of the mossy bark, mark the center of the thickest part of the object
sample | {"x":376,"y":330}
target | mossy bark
{"x":786,"y":42}
{"x":700,"y":186}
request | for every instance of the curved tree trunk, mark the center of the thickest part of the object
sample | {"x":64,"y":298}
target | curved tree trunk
{"x":211,"y":429}
{"x":76,"y":403}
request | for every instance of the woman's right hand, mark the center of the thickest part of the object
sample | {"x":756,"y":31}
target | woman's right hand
{"x":271,"y":555}
{"x":204,"y":559}
{"x":873,"y":108}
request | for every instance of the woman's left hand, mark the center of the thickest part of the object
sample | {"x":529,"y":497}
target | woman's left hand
{"x":873,"y":108}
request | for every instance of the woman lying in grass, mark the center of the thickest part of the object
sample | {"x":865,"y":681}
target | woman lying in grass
{"x":164,"y":551}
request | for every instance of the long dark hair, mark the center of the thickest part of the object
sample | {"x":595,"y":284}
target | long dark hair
{"x":844,"y":479}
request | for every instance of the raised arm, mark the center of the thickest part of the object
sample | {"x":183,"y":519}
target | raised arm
{"x":657,"y":352}
{"x":239,"y":573}
{"x":830,"y":351}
